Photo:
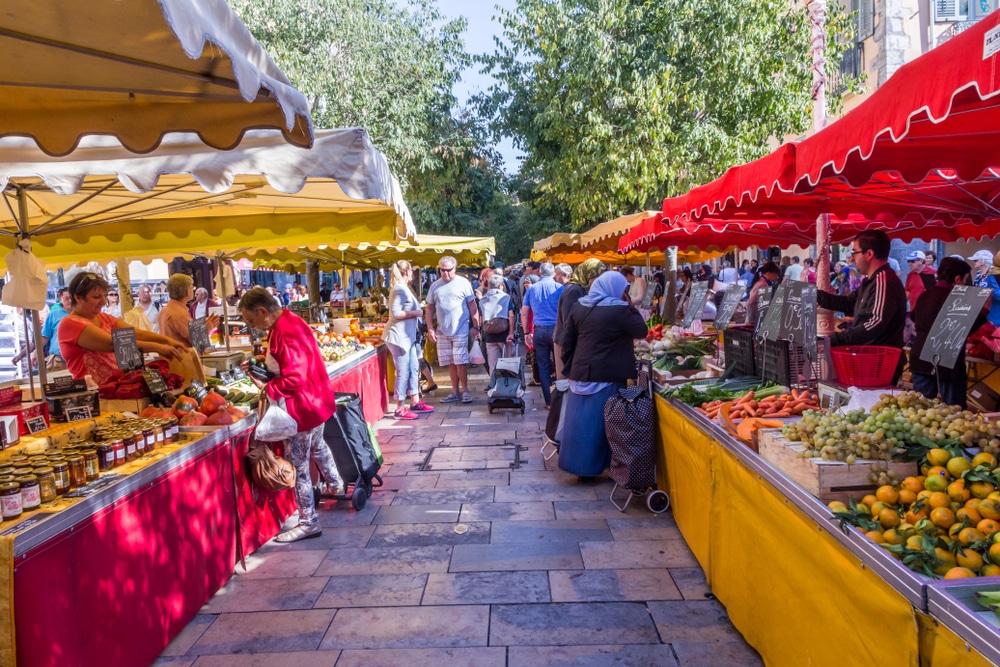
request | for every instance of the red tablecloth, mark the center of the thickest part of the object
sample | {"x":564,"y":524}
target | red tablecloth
{"x":260,"y":513}
{"x":368,"y":380}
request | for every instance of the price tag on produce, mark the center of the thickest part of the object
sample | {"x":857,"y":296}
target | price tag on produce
{"x":127,"y":353}
{"x":798,"y":319}
{"x":730,"y":302}
{"x":198,"y":330}
{"x":77,"y":414}
{"x":772,"y":321}
{"x":952,"y":325}
{"x":697,"y":298}
{"x":226,"y":377}
{"x":154,"y":381}
{"x":239,"y":374}
{"x":36,"y":425}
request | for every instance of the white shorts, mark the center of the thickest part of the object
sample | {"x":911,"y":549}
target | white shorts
{"x":452,"y":350}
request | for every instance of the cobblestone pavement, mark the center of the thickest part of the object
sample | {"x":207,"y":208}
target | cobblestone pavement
{"x":470,"y":564}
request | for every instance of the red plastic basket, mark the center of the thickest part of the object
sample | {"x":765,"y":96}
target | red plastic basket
{"x":865,"y":365}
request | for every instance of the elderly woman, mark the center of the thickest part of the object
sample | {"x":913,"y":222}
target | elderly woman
{"x":175,"y":316}
{"x":598,"y":360}
{"x":497,"y":311}
{"x":85,"y":334}
{"x":577,"y":287}
{"x":300,"y":378}
{"x":400,"y":335}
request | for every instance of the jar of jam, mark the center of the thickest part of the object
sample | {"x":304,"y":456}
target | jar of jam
{"x":18,"y":460}
{"x":36,"y":461}
{"x":171,"y":429}
{"x":23,"y":470}
{"x":149,"y":432}
{"x":7,"y":470}
{"x":46,"y":483}
{"x":77,"y":471}
{"x":105,"y":456}
{"x":118,"y":448}
{"x":61,"y":471}
{"x":130,"y":441}
{"x":90,"y":464}
{"x":30,"y":493}
{"x":10,"y":500}
{"x":158,"y":432}
{"x":6,"y":478}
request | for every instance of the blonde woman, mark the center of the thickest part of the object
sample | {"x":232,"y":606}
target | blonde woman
{"x":401,"y":337}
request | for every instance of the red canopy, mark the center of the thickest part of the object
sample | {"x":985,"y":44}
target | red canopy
{"x":916,"y":158}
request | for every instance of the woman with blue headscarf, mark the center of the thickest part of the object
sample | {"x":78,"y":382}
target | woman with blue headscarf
{"x":598,"y":360}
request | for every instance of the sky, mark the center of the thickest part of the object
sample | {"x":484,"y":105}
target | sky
{"x":478,"y":40}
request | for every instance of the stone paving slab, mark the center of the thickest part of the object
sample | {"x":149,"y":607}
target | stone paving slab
{"x":486,"y":588}
{"x":612,"y":586}
{"x":379,"y":560}
{"x":482,"y":494}
{"x":567,"y":624}
{"x":658,"y":527}
{"x":409,"y":627}
{"x":529,"y":477}
{"x":442,"y":657}
{"x":691,"y":582}
{"x":642,"y":655}
{"x":346,"y":516}
{"x":291,"y":659}
{"x":191,"y":633}
{"x":175,"y":662}
{"x":452,"y":480}
{"x":598,"y":509}
{"x":246,"y":594}
{"x":728,"y":654}
{"x":261,"y":632}
{"x":506,"y":512}
{"x":429,"y":534}
{"x":332,"y":538}
{"x":282,"y":564}
{"x":372,"y":590}
{"x":515,"y":556}
{"x":631,"y":555}
{"x":691,"y":621}
{"x":411,"y":514}
{"x":543,"y":492}
{"x":550,"y":531}
{"x":408,"y":482}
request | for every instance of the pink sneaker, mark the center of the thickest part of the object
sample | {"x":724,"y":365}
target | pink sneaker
{"x":421,"y":407}
{"x":404,"y":413}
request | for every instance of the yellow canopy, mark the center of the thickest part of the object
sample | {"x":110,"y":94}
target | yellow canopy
{"x":138,"y":69}
{"x":106,"y":203}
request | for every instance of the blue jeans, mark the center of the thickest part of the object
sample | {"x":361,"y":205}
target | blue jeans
{"x":407,"y":371}
{"x":544,"y":348}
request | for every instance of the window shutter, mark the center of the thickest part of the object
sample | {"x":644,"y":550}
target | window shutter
{"x":866,"y":18}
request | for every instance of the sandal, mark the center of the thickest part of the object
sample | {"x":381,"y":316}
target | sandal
{"x":300,"y":532}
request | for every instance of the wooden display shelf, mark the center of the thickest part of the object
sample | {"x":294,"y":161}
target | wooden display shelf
{"x":827,"y":480}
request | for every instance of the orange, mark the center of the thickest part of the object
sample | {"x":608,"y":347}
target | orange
{"x":990,"y":570}
{"x":914,"y":542}
{"x":969,"y":558}
{"x":943,"y":560}
{"x":988,"y":526}
{"x":969,"y":535}
{"x":870,"y":499}
{"x":959,"y":573}
{"x":914,"y":516}
{"x":936,"y":483}
{"x":994,"y":553}
{"x":942,"y":517}
{"x":957,"y":465}
{"x":958,"y":492}
{"x":923,"y":495}
{"x":887,"y":494}
{"x":972,"y":504}
{"x":968,"y":515}
{"x":891,"y":536}
{"x":984,"y":458}
{"x":939,"y":499}
{"x":937,"y":471}
{"x":981,"y":489}
{"x":875,"y":536}
{"x":907,"y":497}
{"x":879,"y":506}
{"x":888,"y":518}
{"x":938,"y":457}
{"x":955,"y":530}
{"x":914,"y":484}
{"x":989,"y":509}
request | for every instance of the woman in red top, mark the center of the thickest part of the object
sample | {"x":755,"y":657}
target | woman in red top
{"x":294,"y":358}
{"x":85,"y":334}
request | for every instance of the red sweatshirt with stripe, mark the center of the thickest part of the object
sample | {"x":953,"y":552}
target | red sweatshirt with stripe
{"x":878,"y":307}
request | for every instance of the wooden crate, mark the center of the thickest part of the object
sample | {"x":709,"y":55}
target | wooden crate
{"x":827,"y":480}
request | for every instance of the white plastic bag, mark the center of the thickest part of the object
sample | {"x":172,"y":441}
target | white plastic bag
{"x":28,"y":282}
{"x":277,"y":424}
{"x":476,"y":353}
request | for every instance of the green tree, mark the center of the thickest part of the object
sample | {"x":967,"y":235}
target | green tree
{"x":369,"y":63}
{"x":619,"y":103}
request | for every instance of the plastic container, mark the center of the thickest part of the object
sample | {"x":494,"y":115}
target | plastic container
{"x":865,"y":365}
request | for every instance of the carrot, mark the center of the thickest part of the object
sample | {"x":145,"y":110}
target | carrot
{"x":743,"y":399}
{"x":799,"y":410}
{"x":782,"y":413}
{"x":795,"y":394}
{"x":750,"y":411}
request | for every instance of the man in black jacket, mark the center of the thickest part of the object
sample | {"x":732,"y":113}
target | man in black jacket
{"x":878,"y":305}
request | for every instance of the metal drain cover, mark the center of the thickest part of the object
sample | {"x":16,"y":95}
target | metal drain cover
{"x":501,"y":456}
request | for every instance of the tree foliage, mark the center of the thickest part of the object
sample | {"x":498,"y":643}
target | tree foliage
{"x":369,"y":63}
{"x":619,"y":103}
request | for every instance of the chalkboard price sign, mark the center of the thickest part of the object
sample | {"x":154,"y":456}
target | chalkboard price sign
{"x":730,"y":302}
{"x":771,"y":325}
{"x":127,"y":353}
{"x":763,"y":304}
{"x":695,"y":306}
{"x":952,"y":325}
{"x":198,"y":330}
{"x":798,"y":321}
{"x":239,"y":374}
{"x":154,"y":381}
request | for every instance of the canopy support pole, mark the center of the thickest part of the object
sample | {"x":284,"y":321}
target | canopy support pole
{"x":817,"y":19}
{"x":22,"y":222}
{"x":27,"y":346}
{"x":220,"y":260}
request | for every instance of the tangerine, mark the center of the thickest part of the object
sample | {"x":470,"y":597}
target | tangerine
{"x":969,"y":558}
{"x":984,"y":458}
{"x":942,"y":517}
{"x":914,"y":484}
{"x":994,"y":553}
{"x":988,"y":526}
{"x":875,"y":537}
{"x":887,"y":494}
{"x":907,"y":497}
{"x":938,"y":456}
{"x":939,"y":499}
{"x":879,"y":506}
{"x":943,"y":560}
{"x":891,"y":536}
{"x":958,"y":492}
{"x":989,"y":509}
{"x":837,"y":506}
{"x":889,"y":518}
{"x":990,"y":570}
{"x":982,"y":489}
{"x":957,"y":465}
{"x":936,"y":483}
{"x":959,"y":573}
{"x":968,"y":515}
{"x":937,"y":471}
{"x":869,"y":500}
{"x":914,"y":542}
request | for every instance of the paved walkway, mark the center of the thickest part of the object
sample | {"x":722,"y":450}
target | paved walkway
{"x":470,"y":564}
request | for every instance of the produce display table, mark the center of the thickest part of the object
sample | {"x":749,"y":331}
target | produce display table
{"x":798,"y":589}
{"x":364,"y":374}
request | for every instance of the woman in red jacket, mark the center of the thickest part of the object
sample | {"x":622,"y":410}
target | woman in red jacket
{"x":300,"y":379}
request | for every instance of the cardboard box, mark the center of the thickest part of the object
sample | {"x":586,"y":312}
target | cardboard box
{"x":65,"y":408}
{"x":28,"y":412}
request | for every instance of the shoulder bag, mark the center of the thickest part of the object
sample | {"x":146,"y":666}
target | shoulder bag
{"x":269,"y":472}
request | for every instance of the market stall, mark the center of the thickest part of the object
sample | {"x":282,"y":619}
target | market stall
{"x":856,"y":516}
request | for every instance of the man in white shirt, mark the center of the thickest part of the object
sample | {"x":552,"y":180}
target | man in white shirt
{"x":728,"y":274}
{"x":794,"y":271}
{"x":149,"y":307}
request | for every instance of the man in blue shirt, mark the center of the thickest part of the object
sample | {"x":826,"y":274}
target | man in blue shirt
{"x":50,"y":331}
{"x":542,"y":301}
